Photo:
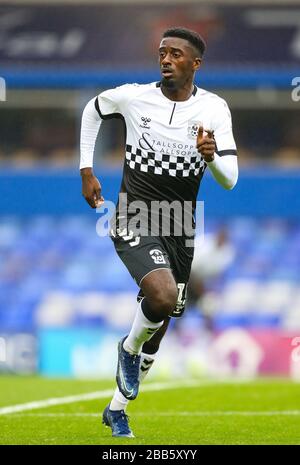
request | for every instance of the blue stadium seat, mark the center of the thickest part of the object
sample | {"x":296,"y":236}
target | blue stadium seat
{"x":43,"y":255}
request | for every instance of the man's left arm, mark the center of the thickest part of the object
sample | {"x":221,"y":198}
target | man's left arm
{"x":218,"y":149}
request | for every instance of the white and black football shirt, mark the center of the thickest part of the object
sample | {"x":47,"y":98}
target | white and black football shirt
{"x":161,"y":159}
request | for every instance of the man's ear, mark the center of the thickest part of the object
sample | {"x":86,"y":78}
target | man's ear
{"x":197,"y":63}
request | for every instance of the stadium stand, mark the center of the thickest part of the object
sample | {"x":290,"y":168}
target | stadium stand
{"x":56,"y":274}
{"x":59,"y":272}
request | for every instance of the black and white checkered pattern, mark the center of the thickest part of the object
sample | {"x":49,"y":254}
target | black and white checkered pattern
{"x":159,"y":163}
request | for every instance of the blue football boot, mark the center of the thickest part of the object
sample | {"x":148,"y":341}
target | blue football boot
{"x":117,"y":420}
{"x":128,"y":372}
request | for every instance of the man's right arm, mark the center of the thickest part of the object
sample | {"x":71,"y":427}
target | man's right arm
{"x":90,"y":124}
{"x":106,"y":105}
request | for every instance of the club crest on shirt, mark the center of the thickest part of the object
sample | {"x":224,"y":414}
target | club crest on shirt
{"x":157,"y":256}
{"x":193,"y":127}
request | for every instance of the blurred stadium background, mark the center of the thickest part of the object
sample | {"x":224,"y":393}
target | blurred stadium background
{"x":65,"y":297}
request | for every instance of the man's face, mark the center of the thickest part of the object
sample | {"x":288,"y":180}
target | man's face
{"x":178,"y":61}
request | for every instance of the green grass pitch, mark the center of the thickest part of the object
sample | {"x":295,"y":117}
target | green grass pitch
{"x":206,"y":412}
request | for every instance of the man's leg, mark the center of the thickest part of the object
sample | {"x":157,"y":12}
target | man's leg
{"x":149,"y":264}
{"x":160,"y":291}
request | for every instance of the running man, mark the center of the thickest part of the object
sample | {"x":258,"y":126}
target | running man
{"x":174,"y":131}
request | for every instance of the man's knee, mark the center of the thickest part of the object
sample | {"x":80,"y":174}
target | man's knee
{"x":164,"y":299}
{"x":160,"y":290}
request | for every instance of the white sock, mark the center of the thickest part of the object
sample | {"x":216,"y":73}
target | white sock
{"x":141,"y":331}
{"x":119,"y":402}
{"x":146,"y":363}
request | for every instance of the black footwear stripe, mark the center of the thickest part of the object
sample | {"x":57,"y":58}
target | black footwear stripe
{"x":147,"y":362}
{"x":144,"y":369}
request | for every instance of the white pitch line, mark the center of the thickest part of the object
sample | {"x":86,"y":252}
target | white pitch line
{"x":93,"y":395}
{"x":172,"y":414}
{"x":226,"y":413}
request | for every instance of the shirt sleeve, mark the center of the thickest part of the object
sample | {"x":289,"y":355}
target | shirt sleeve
{"x":90,"y":124}
{"x":225,"y":170}
{"x":114,"y":101}
{"x":222,"y":127}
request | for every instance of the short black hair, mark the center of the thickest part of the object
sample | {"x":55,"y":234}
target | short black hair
{"x":191,"y":36}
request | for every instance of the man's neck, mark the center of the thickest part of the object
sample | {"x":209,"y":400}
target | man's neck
{"x":178,"y":94}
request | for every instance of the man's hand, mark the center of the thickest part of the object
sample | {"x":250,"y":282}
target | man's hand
{"x":206,"y":145}
{"x":91,"y":188}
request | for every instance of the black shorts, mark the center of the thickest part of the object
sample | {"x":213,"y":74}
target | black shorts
{"x":143,"y":254}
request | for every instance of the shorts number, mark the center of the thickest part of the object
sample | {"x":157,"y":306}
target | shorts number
{"x":180,"y":300}
{"x":181,"y":293}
